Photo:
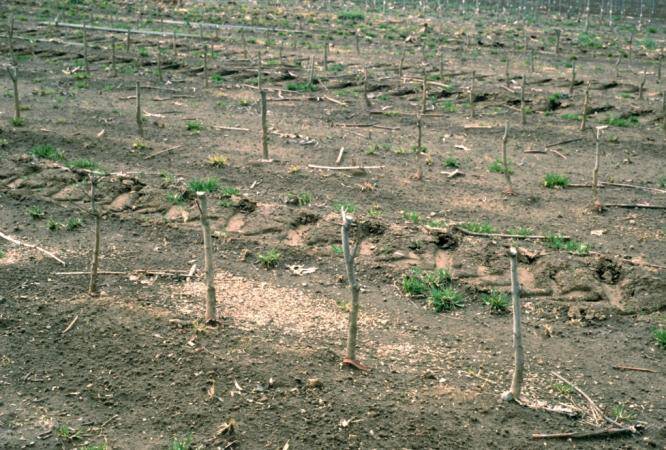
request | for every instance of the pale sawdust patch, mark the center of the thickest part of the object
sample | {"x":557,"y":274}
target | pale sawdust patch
{"x":253,"y":304}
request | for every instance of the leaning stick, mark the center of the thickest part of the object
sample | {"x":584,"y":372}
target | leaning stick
{"x":211,"y":307}
{"x":519,"y":361}
{"x":401,"y":80}
{"x":419,"y":126}
{"x":573,"y":77}
{"x":634,"y":369}
{"x":25,"y":244}
{"x":71,"y":324}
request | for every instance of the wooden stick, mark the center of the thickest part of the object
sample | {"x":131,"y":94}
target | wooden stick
{"x":142,"y":271}
{"x":505,"y":161}
{"x":594,"y":409}
{"x":573,"y":77}
{"x":152,"y":155}
{"x":314,"y":166}
{"x":13,"y":74}
{"x":523,"y":118}
{"x":71,"y":324}
{"x":340,"y":154}
{"x":25,"y":244}
{"x":471,"y":94}
{"x":632,"y":205}
{"x":264,"y":126}
{"x":608,"y":432}
{"x":566,"y":141}
{"x":635,"y":369}
{"x":349,"y":256}
{"x":139,"y":118}
{"x":595,"y":173}
{"x":94,"y":264}
{"x":586,"y":104}
{"x":519,"y":357}
{"x":502,"y":235}
{"x":230,"y":128}
{"x":211,"y":307}
{"x":114,"y":69}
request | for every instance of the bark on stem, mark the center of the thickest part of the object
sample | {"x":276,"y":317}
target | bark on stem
{"x":211,"y":304}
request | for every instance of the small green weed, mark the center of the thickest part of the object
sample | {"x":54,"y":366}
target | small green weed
{"x":347,"y":206}
{"x":553,"y":180}
{"x":270,"y":258}
{"x":622,"y":122}
{"x":66,"y":433}
{"x":557,"y":242}
{"x":203,"y":185}
{"x":563,"y":389}
{"x":660,"y":336}
{"x":451,"y":163}
{"x":622,"y":414}
{"x":497,"y":166}
{"x":18,"y":121}
{"x":36,"y":212}
{"x":497,"y":301}
{"x":73,"y":223}
{"x":412,"y":216}
{"x":445,"y":299}
{"x":301,"y":199}
{"x":47,"y":151}
{"x":184,"y":443}
{"x":53,"y":225}
{"x":193,"y":125}
{"x":86,"y":164}
{"x":351,"y":15}
{"x":520,"y":231}
{"x":572,"y":116}
{"x":476,"y":227}
{"x":337,"y":249}
{"x":229,"y":191}
{"x":301,"y":87}
{"x":175,"y":198}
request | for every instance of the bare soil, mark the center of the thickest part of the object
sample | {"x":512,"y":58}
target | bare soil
{"x":137,"y":369}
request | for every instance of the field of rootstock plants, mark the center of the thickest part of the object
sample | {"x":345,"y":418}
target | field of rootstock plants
{"x":326,"y":225}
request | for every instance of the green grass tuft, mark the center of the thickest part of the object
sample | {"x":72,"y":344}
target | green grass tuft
{"x":270,"y":258}
{"x":36,"y":212}
{"x":193,"y":125}
{"x":553,"y":180}
{"x":47,"y":151}
{"x":622,"y":122}
{"x":557,"y":242}
{"x":451,"y":163}
{"x":660,"y":336}
{"x":203,"y":185}
{"x":475,"y":227}
{"x":445,"y":299}
{"x":301,"y":87}
{"x":347,"y":206}
{"x":497,"y":166}
{"x":497,"y":301}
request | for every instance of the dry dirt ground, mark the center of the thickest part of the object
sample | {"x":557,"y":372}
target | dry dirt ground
{"x":135,"y":368}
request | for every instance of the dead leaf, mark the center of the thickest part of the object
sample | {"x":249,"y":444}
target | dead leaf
{"x":597,"y":232}
{"x":237,"y":385}
{"x":101,"y":133}
{"x":301,"y":270}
